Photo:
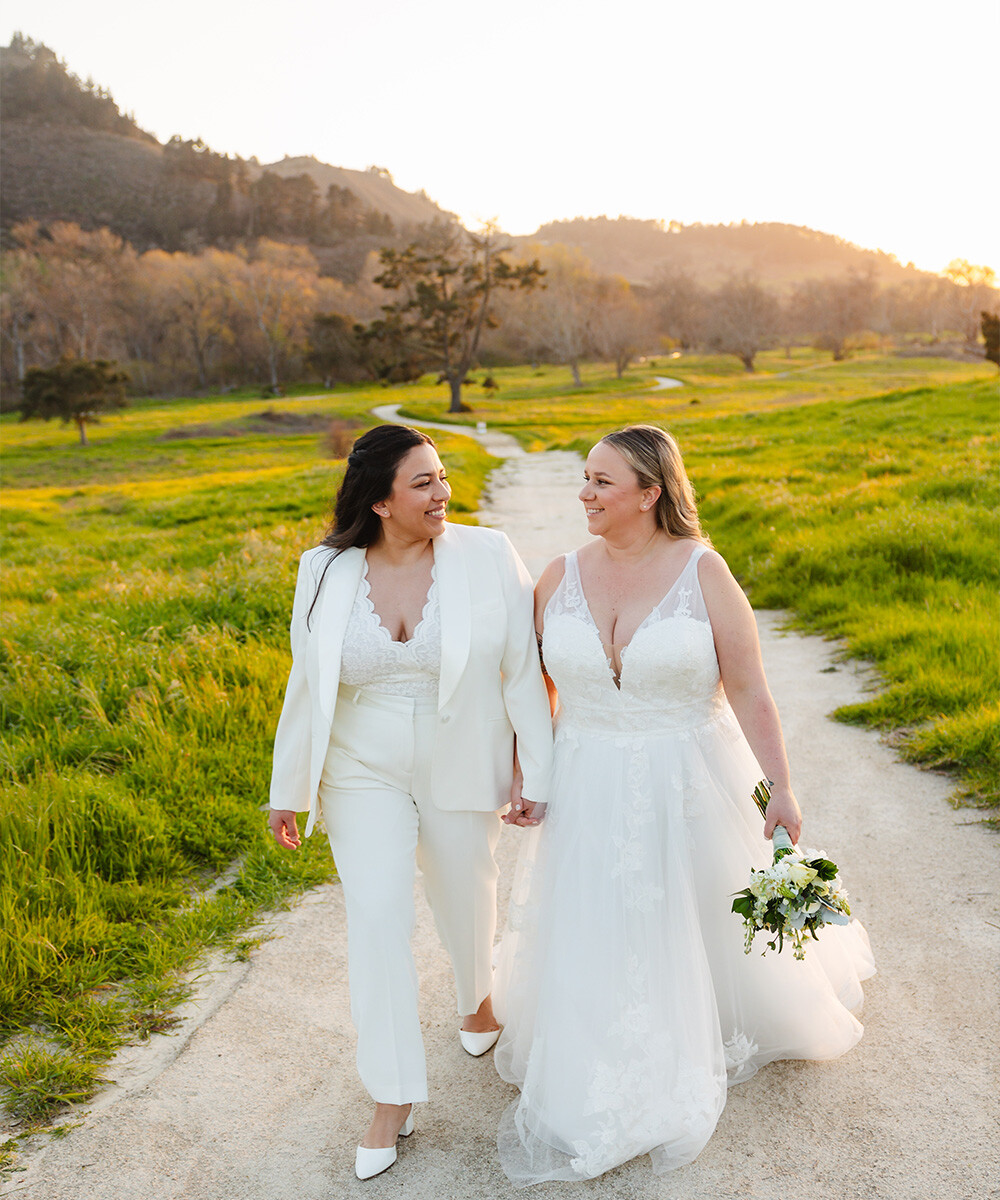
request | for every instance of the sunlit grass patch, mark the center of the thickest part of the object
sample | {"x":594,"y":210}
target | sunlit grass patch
{"x":147,"y":588}
{"x":37,"y":1082}
{"x":143,"y":657}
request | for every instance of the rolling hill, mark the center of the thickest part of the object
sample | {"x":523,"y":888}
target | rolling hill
{"x":68,"y":153}
{"x":777,"y":254}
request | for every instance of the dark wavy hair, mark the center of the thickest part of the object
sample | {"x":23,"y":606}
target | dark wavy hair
{"x":371,"y":472}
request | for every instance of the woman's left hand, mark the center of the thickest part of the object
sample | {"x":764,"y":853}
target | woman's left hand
{"x":783,"y":809}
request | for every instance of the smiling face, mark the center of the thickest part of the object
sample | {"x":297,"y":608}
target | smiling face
{"x":416,"y":507}
{"x":612,"y":497}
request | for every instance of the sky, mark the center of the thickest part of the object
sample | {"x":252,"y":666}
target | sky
{"x":871,"y":119}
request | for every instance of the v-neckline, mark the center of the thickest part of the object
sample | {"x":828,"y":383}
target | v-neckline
{"x":370,"y":604}
{"x":616,"y":676}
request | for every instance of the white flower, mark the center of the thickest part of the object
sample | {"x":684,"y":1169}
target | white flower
{"x":800,"y":875}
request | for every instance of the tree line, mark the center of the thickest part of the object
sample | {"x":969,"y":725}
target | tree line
{"x":263,"y":312}
{"x":37,"y":84}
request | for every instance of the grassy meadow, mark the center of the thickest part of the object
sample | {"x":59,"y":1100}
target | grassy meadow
{"x":863,"y":496}
{"x":146,"y":591}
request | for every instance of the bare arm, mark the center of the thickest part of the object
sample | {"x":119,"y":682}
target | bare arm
{"x":738,"y":649}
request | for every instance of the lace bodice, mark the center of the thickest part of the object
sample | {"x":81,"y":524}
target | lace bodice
{"x":670,"y":674}
{"x":372,"y":659}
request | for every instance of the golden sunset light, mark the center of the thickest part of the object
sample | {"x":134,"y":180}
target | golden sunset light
{"x":485,"y":489}
{"x":871,"y":124}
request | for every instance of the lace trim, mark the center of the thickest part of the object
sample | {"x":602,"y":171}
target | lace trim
{"x":372,"y":658}
{"x":569,"y":598}
{"x":364,"y":598}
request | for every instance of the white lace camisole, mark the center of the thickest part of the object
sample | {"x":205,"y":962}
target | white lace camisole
{"x":371,"y":659}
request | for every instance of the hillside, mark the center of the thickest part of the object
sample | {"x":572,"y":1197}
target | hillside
{"x":61,"y":172}
{"x":67,"y":153}
{"x":777,"y":254}
{"x":373,"y":188}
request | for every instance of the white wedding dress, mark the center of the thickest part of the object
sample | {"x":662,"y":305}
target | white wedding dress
{"x":627,"y":999}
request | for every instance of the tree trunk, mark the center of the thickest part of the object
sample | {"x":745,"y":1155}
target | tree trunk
{"x":199,"y":358}
{"x":455,"y":384}
{"x":747,"y":360}
{"x":18,"y":352}
{"x":575,"y":368}
{"x":81,"y":424}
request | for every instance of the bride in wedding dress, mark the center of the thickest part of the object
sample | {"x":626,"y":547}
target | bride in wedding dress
{"x":628,"y":1002}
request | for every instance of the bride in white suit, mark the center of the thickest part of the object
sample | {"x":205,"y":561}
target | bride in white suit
{"x":414,"y":667}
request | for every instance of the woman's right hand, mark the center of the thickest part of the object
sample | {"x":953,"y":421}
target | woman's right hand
{"x":525,"y":814}
{"x":284,"y":828}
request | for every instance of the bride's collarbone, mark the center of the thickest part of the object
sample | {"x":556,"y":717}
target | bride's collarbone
{"x":621,"y":596}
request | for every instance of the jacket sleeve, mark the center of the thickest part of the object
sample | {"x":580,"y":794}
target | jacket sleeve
{"x":293,"y":739}
{"x":524,"y":694}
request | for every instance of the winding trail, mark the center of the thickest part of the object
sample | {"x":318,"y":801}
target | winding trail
{"x":256,"y":1097}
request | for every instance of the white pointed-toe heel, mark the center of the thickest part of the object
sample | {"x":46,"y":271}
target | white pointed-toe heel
{"x":371,"y":1161}
{"x":477,"y":1043}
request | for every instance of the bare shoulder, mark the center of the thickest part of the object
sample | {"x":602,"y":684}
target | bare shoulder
{"x":714,"y":571}
{"x":545,"y":588}
{"x":719,"y":586}
{"x":549,"y":580}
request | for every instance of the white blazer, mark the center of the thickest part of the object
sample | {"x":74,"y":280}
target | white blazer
{"x":490,"y":685}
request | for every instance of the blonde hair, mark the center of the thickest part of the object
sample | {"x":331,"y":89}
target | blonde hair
{"x":656,"y":460}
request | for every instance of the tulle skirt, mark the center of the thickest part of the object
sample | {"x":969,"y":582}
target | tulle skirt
{"x":627,"y":1000}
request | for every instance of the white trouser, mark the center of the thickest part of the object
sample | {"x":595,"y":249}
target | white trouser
{"x":382,"y":822}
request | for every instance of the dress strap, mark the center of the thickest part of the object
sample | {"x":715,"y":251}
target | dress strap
{"x":568,"y":596}
{"x":696,"y":553}
{"x":686,"y":595}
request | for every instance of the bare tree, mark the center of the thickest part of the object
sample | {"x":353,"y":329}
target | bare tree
{"x":743,"y":319}
{"x":974,"y":291}
{"x":193,"y":298}
{"x":680,"y":307}
{"x":557,"y":322}
{"x":71,"y":281}
{"x":618,"y":323}
{"x":274,"y":288}
{"x":835,"y":310}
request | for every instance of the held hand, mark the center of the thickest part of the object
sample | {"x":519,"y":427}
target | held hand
{"x":286,"y":833}
{"x":783,"y":809}
{"x":524,"y":813}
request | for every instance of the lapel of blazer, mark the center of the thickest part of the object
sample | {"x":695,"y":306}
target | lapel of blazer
{"x":456,"y":616}
{"x":330,"y":623}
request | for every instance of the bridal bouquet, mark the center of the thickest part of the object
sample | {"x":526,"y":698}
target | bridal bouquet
{"x":794,"y":896}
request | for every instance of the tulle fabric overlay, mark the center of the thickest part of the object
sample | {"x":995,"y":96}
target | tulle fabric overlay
{"x":627,"y":1000}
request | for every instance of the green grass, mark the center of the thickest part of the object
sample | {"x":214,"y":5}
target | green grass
{"x":862,"y":496}
{"x":143,"y":647}
{"x":142,"y":662}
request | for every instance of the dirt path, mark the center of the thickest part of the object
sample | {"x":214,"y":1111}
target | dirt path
{"x":257,"y":1099}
